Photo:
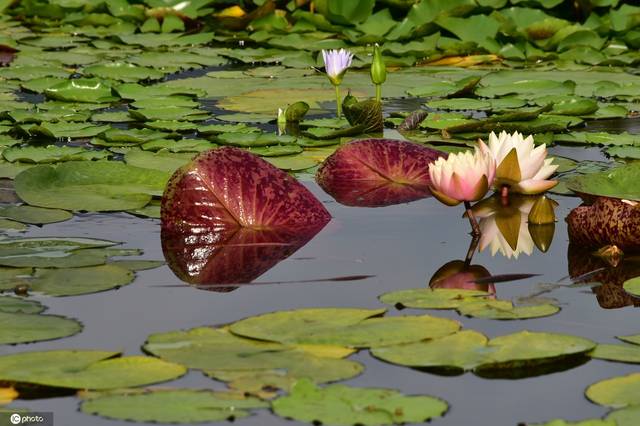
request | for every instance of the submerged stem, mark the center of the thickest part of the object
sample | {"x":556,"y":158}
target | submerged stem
{"x":475,"y":228}
{"x":338,"y":102}
{"x":378,"y":92}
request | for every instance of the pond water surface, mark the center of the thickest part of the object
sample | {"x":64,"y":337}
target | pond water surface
{"x":401,"y":247}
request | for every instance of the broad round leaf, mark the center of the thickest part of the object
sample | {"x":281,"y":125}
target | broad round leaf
{"x":505,"y":310}
{"x":179,"y":406}
{"x":80,"y":369}
{"x":426,"y":298}
{"x":620,"y":182}
{"x":620,"y":353}
{"x":26,"y":328}
{"x":231,"y":188}
{"x":88,"y":185}
{"x":377,"y":172}
{"x":606,"y":221}
{"x":632,"y":286}
{"x":629,"y":416}
{"x":11,"y":304}
{"x":343,"y":405}
{"x":616,"y":392}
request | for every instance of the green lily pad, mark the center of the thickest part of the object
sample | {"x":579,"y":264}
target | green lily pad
{"x":164,"y":161}
{"x":171,"y":125}
{"x":293,"y":162}
{"x":27,"y":328}
{"x":81,"y":90}
{"x":276,"y":150}
{"x":620,"y":353}
{"x":632,"y":286}
{"x":620,"y":182}
{"x":246,"y":140}
{"x":137,"y":91}
{"x":51,"y":154}
{"x":169,"y":113}
{"x":628,"y":416}
{"x":77,"y":281}
{"x":9,"y":304}
{"x":505,"y":310}
{"x":616,"y":392}
{"x":90,"y":185}
{"x":344,"y":405}
{"x":112,"y":117}
{"x":460,"y":104}
{"x":635,"y":339}
{"x":463,"y":350}
{"x":66,"y":130}
{"x":134,"y":136}
{"x":530,"y":88}
{"x":589,"y":422}
{"x":51,"y":252}
{"x":426,"y":298}
{"x":34,"y":215}
{"x":183,"y":145}
{"x":445,"y":88}
{"x":343,"y":327}
{"x":85,"y":369}
{"x":163,"y":101}
{"x":122,"y":71}
{"x":178,"y":406}
{"x":469,"y":350}
{"x":224,"y":356}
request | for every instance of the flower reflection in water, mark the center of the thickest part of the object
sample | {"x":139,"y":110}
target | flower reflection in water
{"x":506,"y":226}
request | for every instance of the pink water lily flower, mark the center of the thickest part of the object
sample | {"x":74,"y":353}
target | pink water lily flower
{"x":466,"y":176}
{"x":521,"y":166}
{"x":336,"y":63}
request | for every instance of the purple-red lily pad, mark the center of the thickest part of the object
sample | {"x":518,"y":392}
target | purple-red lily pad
{"x":214,"y":260}
{"x":229,"y":188}
{"x":608,"y":221}
{"x":377,"y":172}
{"x":229,"y":216}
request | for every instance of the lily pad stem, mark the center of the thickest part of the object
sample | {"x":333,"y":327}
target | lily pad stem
{"x":378,"y":92}
{"x":338,"y":101}
{"x":475,"y":228}
{"x":472,"y":250}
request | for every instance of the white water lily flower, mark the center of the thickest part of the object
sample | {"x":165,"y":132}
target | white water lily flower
{"x":336,"y":63}
{"x":464,"y":176}
{"x":521,"y":165}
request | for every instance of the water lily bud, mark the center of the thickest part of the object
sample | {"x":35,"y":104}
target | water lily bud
{"x":378,"y":68}
{"x":542,"y":235}
{"x":542,"y":212}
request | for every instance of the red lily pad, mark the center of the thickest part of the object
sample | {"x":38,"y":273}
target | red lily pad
{"x":229,"y":188}
{"x":608,"y":221}
{"x":213,"y":260}
{"x":377,"y":172}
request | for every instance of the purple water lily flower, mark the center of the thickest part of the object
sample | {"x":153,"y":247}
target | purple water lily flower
{"x":336,"y":63}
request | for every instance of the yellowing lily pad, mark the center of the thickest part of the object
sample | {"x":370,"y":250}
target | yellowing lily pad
{"x":616,"y":392}
{"x":177,"y":406}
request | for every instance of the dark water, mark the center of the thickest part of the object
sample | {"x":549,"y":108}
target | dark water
{"x":402,"y":246}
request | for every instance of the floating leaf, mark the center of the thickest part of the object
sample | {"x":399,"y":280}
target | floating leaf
{"x":426,"y":298}
{"x":51,"y":154}
{"x":343,"y":327}
{"x":628,"y":416}
{"x":81,"y":90}
{"x":505,"y":310}
{"x":343,"y":405}
{"x":632,"y":286}
{"x":608,"y":221}
{"x":179,"y":406}
{"x":27,"y":328}
{"x":84,"y":369}
{"x":616,"y":392}
{"x":259,"y":196}
{"x":616,"y":183}
{"x":377,"y":172}
{"x":620,"y":353}
{"x":88,"y":185}
{"x":18,"y":305}
{"x":34,"y":215}
{"x":122,"y":71}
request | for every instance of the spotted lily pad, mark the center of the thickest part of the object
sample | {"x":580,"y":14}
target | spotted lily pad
{"x":177,"y":406}
{"x":344,"y":405}
{"x":85,"y":369}
{"x":88,"y":185}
